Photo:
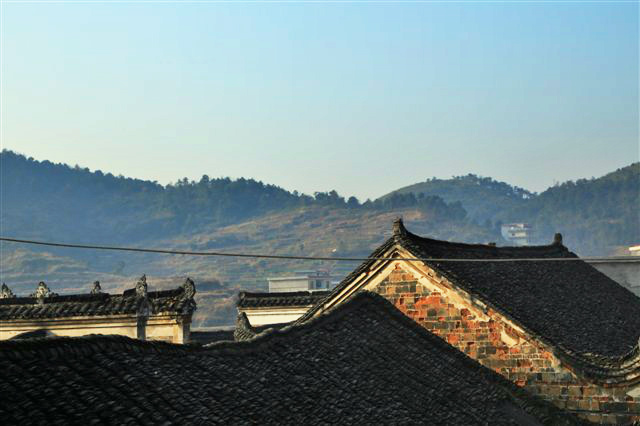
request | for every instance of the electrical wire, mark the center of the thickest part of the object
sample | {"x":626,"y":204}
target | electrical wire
{"x":611,"y":259}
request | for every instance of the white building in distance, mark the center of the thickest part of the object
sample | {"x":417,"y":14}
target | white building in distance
{"x":518,"y":234}
{"x":301,"y":281}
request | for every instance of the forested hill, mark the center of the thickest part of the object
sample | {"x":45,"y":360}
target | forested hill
{"x":483,"y":198}
{"x":591,"y":213}
{"x":55,"y":201}
{"x":52,"y":200}
{"x":594,"y":215}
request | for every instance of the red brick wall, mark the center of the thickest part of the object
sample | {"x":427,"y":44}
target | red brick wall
{"x":523,"y":360}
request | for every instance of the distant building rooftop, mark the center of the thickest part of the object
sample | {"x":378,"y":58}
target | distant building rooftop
{"x":517,"y":233}
{"x":300,"y":281}
{"x":135,"y":313}
{"x":264,"y":309}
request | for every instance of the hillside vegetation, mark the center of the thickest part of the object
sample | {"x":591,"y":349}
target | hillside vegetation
{"x":594,"y":215}
{"x":55,"y":202}
{"x":483,"y":198}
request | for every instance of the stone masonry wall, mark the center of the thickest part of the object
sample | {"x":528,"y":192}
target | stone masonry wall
{"x":488,"y":338}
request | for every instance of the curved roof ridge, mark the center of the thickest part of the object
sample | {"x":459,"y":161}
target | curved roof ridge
{"x":61,"y":298}
{"x":514,"y":290}
{"x":247,"y":294}
{"x":400,"y":233}
{"x":388,"y":243}
{"x":179,"y":299}
{"x":566,"y":304}
{"x":292,"y":298}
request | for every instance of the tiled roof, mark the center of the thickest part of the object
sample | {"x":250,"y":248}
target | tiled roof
{"x":176,"y":301}
{"x":292,"y":298}
{"x":362,"y":363}
{"x":210,"y":336}
{"x":570,"y":304}
{"x":245,"y":331}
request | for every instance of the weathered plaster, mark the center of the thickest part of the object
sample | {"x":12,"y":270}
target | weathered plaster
{"x":160,"y":327}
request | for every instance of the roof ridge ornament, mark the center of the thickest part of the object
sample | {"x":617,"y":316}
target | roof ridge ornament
{"x":189,"y":289}
{"x":557,"y":239}
{"x":244,"y":330}
{"x":141,"y":287}
{"x":96,"y":288}
{"x":42,"y":292}
{"x":6,"y":293}
{"x":399,"y":231}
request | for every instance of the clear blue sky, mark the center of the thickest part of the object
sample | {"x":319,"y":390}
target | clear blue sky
{"x":362,"y":98}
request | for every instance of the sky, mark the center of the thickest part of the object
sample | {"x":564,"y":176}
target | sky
{"x":361,"y":97}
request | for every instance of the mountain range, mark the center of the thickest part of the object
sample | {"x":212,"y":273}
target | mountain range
{"x":56,"y":202}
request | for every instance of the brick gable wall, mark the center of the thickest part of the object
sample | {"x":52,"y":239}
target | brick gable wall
{"x":488,"y":337}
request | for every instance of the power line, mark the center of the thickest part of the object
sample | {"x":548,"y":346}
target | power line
{"x":611,"y":259}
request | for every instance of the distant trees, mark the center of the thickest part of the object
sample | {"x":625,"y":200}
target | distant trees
{"x":43,"y":199}
{"x":353,"y":203}
{"x":74,"y":203}
{"x":592,"y":214}
{"x":483,"y":198}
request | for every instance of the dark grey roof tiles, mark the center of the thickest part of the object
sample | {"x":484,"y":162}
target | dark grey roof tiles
{"x":245,"y":331}
{"x":293,"y":298}
{"x":210,"y":336}
{"x":362,"y":363}
{"x":178,"y":301}
{"x":570,"y":304}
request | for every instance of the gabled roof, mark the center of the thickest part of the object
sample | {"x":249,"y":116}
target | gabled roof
{"x":47,"y":305}
{"x":362,"y":363}
{"x":569,"y":304}
{"x":290,"y":298}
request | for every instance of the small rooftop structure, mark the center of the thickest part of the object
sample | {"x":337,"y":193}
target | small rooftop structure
{"x":518,"y":234}
{"x":137,"y":312}
{"x":300,"y":281}
{"x":264,"y":309}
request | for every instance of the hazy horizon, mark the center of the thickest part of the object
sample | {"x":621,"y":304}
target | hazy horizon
{"x":362,"y":98}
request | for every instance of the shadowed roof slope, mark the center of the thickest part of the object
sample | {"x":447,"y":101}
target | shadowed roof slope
{"x":570,"y":304}
{"x":362,"y":363}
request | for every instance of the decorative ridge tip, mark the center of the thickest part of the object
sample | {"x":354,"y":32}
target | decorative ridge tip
{"x":244,"y":330}
{"x":399,"y":230}
{"x":141,"y":287}
{"x":42,"y":292}
{"x":557,"y":239}
{"x":189,"y":288}
{"x":243,"y":320}
{"x":6,"y":293}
